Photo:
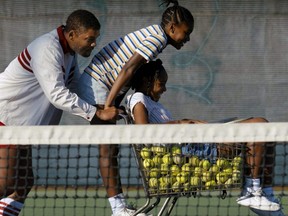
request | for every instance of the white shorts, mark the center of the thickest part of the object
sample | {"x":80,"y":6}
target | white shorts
{"x":92,"y":91}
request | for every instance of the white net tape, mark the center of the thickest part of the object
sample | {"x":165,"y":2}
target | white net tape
{"x":127,"y":134}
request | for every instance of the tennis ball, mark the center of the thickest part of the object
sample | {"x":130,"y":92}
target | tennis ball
{"x":205,"y":164}
{"x":165,"y":179}
{"x":145,"y":152}
{"x":186,"y":186}
{"x":167,"y":159}
{"x":157,"y":159}
{"x":154,"y":173}
{"x":186,"y":167}
{"x":237,"y":159}
{"x":236,"y":175}
{"x":194,"y":161}
{"x":228,"y":171}
{"x":176,"y":150}
{"x":174,"y":169}
{"x":221,"y":177}
{"x":206,"y":176}
{"x":236,"y":166}
{"x":228,"y":183}
{"x":168,"y":179}
{"x":195,"y":181}
{"x":178,"y":159}
{"x":214,"y":169}
{"x":176,"y":187}
{"x":163,"y":186}
{"x":182,"y":177}
{"x":153,"y":182}
{"x":210,"y":184}
{"x":164,"y":168}
{"x":160,"y":150}
{"x":236,"y":163}
{"x":222,"y":163}
{"x":148,"y":163}
{"x":197,"y":171}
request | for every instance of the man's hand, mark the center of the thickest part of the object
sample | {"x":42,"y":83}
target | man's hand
{"x":108,"y":114}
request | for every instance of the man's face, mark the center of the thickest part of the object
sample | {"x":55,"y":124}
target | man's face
{"x":84,"y":42}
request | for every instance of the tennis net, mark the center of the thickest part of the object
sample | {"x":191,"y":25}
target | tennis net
{"x":67,"y":180}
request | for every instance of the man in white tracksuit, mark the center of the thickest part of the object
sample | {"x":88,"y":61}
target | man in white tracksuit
{"x":34,"y":90}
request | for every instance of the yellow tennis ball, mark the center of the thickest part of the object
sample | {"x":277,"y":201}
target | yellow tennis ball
{"x":164,"y":168}
{"x":176,"y":150}
{"x":210,"y":184}
{"x":178,"y":159}
{"x":236,"y":176}
{"x":157,"y":159}
{"x":154,"y":173}
{"x":197,"y":171}
{"x":221,"y":177}
{"x":194,"y":161}
{"x":174,"y":170}
{"x":228,"y":183}
{"x":214,"y":169}
{"x":222,"y":163}
{"x":145,"y":153}
{"x":182,"y":177}
{"x":206,"y":176}
{"x":176,"y":187}
{"x":153,"y":182}
{"x":228,"y":171}
{"x":167,"y":159}
{"x":205,"y":164}
{"x":148,"y":163}
{"x":159,"y":150}
{"x":195,"y":181}
{"x":186,"y":167}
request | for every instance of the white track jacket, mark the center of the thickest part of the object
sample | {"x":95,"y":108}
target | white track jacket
{"x":37,"y":85}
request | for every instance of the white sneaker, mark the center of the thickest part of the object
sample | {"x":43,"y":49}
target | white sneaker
{"x":258,"y":200}
{"x":272,"y":198}
{"x":267,"y":213}
{"x":128,"y":212}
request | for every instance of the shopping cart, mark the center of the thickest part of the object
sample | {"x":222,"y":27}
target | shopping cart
{"x":187,"y":169}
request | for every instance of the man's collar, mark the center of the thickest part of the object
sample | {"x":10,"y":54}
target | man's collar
{"x":64,"y":44}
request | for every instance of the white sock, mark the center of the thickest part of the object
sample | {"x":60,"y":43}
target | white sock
{"x":117,"y":202}
{"x":8,"y":206}
{"x":256,"y":184}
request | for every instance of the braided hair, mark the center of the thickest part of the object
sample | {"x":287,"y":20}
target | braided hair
{"x":176,"y":14}
{"x":151,"y":71}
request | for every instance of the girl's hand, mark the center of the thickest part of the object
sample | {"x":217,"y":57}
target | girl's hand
{"x":192,"y":121}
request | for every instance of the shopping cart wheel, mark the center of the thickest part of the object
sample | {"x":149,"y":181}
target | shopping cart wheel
{"x":223,"y":194}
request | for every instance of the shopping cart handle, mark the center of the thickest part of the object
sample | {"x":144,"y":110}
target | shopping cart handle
{"x":127,"y":118}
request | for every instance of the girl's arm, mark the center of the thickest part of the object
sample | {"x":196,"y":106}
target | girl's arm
{"x":124,"y":77}
{"x":140,"y":114}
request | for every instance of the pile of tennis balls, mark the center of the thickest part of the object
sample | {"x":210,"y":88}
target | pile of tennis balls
{"x":167,"y":170}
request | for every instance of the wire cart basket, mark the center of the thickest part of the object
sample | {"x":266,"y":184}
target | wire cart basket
{"x":176,"y":170}
{"x":182,"y":170}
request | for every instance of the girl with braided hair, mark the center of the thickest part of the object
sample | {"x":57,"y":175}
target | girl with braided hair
{"x":105,"y":80}
{"x":144,"y":107}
